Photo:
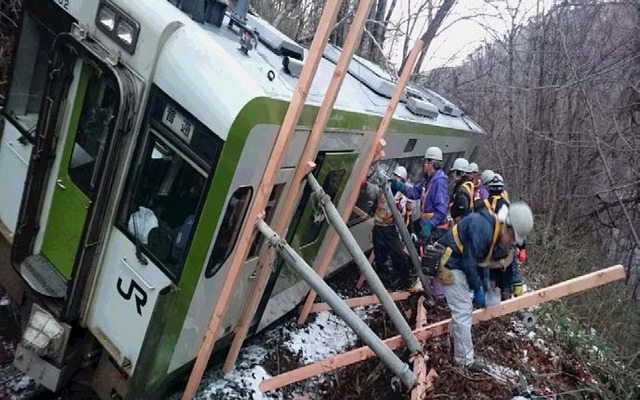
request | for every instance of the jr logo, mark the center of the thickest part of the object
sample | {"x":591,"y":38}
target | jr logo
{"x":141,"y":295}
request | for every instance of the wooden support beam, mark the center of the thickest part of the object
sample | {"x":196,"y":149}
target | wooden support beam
{"x":375,"y":150}
{"x":419,"y":365}
{"x":306,"y":164}
{"x":361,"y":301}
{"x":527,"y":300}
{"x":272,"y":168}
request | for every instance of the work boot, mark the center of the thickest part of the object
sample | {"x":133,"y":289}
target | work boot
{"x":479,"y":365}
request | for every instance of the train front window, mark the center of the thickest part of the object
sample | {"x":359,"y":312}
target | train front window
{"x":167,"y":184}
{"x":164,"y":204}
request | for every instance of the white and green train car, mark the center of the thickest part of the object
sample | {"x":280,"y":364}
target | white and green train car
{"x":134,"y":140}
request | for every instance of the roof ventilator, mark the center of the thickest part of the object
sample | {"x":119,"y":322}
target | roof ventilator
{"x":422,"y":108}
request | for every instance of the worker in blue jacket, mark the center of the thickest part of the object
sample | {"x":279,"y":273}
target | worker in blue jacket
{"x":432,"y":192}
{"x":481,"y":243}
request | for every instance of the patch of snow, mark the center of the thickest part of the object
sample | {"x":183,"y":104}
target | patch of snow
{"x":328,"y":335}
{"x":501,"y":373}
{"x":21,"y":383}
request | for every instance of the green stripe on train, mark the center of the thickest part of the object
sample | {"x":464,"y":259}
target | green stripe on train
{"x":169,"y":320}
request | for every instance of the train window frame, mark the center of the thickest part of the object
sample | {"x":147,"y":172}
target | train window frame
{"x":411,"y":144}
{"x":244,"y":200}
{"x":309,"y":236}
{"x":84,"y":159}
{"x":158,"y":142}
{"x":39,"y":25}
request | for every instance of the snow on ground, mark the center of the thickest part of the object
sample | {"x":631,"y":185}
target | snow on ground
{"x":327,"y":335}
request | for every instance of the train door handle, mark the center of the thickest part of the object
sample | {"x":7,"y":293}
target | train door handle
{"x":60,"y":185}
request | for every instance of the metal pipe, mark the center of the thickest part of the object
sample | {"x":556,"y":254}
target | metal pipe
{"x":406,"y":238}
{"x":400,"y":369}
{"x":363,"y":264}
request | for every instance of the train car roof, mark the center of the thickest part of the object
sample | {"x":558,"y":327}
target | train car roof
{"x":202,"y":67}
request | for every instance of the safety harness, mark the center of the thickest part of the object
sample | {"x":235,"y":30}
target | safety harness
{"x":469,"y":187}
{"x":488,"y":261}
{"x":491,"y":206}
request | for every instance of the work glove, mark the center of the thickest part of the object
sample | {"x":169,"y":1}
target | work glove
{"x":522,"y":255}
{"x":395,"y":184}
{"x":518,"y":289}
{"x":414,"y":238}
{"x":479,"y":298}
{"x":426,"y":230}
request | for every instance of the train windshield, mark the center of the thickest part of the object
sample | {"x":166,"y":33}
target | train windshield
{"x":168,"y":184}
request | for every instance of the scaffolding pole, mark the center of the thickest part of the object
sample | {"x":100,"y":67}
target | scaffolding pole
{"x":327,"y":20}
{"x":363,"y":264}
{"x":527,"y":300}
{"x":267,"y":255}
{"x":400,"y":369}
{"x":406,"y":238}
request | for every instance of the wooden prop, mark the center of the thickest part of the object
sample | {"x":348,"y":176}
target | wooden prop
{"x":361,"y":301}
{"x":361,"y":280}
{"x":374,"y":152}
{"x":527,"y":300}
{"x":419,"y":365}
{"x":281,"y":144}
{"x":267,"y":255}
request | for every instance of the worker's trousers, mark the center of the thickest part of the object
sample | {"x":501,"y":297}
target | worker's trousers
{"x":460,"y":302}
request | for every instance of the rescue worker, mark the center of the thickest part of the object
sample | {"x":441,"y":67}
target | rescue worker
{"x":432,"y":192}
{"x":479,"y":191}
{"x":462,"y":195}
{"x":498,"y":198}
{"x":479,"y":242}
{"x":391,"y":261}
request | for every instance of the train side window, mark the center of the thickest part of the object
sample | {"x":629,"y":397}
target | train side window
{"x":411,"y":144}
{"x":268,"y":218}
{"x":331,"y":184}
{"x":29,"y":74}
{"x":96,"y":120}
{"x":474,"y":154}
{"x":229,"y":229}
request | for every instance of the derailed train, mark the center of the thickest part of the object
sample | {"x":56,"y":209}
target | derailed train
{"x":134,"y":140}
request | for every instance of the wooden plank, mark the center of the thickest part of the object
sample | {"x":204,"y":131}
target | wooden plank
{"x":419,"y":365}
{"x":322,"y":264}
{"x":527,"y":300}
{"x":267,"y":254}
{"x":362,"y":278}
{"x":361,"y":301}
{"x":280,"y":146}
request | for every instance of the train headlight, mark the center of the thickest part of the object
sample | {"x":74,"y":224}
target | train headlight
{"x":107,"y":18}
{"x":125,"y":32}
{"x":118,"y":25}
{"x":44,"y":333}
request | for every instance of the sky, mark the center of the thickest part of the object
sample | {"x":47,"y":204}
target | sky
{"x":469,"y":24}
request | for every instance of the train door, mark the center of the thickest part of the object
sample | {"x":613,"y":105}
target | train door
{"x":90,"y":123}
{"x":309,"y":225}
{"x":88,"y":105}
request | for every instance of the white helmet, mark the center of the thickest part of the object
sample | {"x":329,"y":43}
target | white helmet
{"x":495,"y":183}
{"x":433,"y":153}
{"x":401,"y":172}
{"x":460,"y":164}
{"x":486,"y":176}
{"x":520,"y":218}
{"x":473,"y":167}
